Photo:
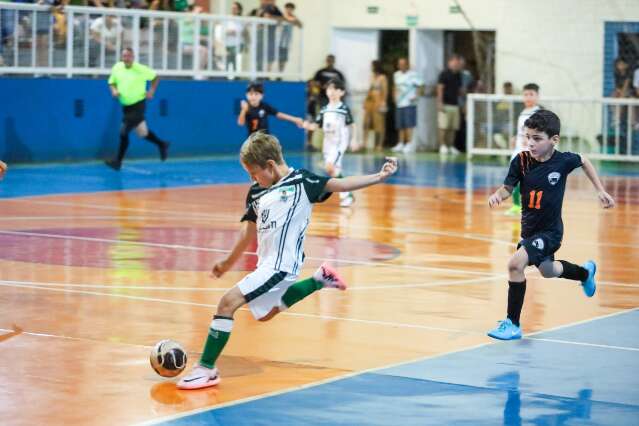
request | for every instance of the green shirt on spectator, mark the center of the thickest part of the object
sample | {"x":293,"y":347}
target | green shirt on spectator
{"x":131,"y":82}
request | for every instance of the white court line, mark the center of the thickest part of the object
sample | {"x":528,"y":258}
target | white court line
{"x":79,"y":339}
{"x":355,"y":287}
{"x":292,"y":314}
{"x":349,"y":375}
{"x":452,"y":271}
{"x":568,"y":342}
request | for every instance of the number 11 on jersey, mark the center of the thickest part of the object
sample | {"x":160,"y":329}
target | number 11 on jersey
{"x":532,"y":204}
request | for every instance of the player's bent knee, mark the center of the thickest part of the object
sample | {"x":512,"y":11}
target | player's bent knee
{"x":229,"y":303}
{"x":516,"y":265}
{"x":547,"y":270}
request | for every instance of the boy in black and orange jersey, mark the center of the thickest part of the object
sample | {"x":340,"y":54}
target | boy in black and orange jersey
{"x":542,"y":173}
{"x":254,"y":112}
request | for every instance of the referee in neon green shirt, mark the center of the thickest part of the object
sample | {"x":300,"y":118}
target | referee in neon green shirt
{"x":128,"y":84}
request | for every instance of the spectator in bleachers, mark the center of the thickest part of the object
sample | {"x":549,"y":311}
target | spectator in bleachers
{"x":503,"y":127}
{"x":323,"y":75}
{"x":375,"y":106}
{"x":43,"y":23}
{"x":408,"y":86}
{"x":104,"y":31}
{"x":266,"y":9}
{"x":468,"y":85}
{"x":449,"y":87}
{"x":622,"y":79}
{"x":192,"y":43}
{"x":287,"y":33}
{"x":635,"y":83}
{"x":7,"y":29}
{"x":235,"y":34}
{"x":3,"y":169}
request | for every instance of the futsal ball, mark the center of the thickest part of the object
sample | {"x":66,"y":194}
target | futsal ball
{"x":168,"y":359}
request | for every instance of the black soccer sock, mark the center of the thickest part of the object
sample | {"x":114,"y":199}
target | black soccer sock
{"x":153,"y":138}
{"x":573,"y":272}
{"x":124,"y":145}
{"x":516,"y":293}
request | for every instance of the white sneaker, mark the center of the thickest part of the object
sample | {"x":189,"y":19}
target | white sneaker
{"x":200,"y":377}
{"x":409,"y":148}
{"x":346,"y":201}
{"x":399,"y":147}
{"x":443,"y":149}
{"x":454,"y":150}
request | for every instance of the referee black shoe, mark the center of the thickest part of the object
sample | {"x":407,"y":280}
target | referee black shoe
{"x":164,"y":151}
{"x":114,"y":164}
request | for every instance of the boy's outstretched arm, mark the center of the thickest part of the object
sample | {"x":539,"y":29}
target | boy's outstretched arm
{"x":500,"y":195}
{"x":247,"y":234}
{"x":298,"y":121}
{"x":606,"y":200}
{"x":241,"y":119}
{"x":353,"y":183}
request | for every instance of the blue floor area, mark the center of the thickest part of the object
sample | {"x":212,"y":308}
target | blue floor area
{"x":507,"y":383}
{"x":95,"y":177}
{"x":418,"y":170}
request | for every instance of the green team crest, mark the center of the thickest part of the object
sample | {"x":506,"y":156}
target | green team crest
{"x":286,"y":192}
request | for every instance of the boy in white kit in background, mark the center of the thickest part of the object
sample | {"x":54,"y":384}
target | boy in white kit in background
{"x":518,"y":143}
{"x":336,"y":121}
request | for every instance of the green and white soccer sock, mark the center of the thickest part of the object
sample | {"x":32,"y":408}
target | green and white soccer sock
{"x":219,"y":334}
{"x":300,"y":290}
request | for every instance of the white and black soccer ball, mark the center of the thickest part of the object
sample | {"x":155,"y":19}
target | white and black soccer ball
{"x":168,"y":358}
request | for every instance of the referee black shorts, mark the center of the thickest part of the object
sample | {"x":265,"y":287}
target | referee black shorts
{"x":133,"y":114}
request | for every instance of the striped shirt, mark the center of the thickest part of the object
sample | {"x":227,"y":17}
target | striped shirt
{"x":282,"y":214}
{"x":520,"y":139}
{"x":334,"y":120}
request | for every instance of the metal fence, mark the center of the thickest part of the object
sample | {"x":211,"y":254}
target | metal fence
{"x":602,"y":128}
{"x":87,"y":41}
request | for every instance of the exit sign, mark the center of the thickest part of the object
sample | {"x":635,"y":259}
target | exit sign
{"x":373,"y":10}
{"x":455,"y":9}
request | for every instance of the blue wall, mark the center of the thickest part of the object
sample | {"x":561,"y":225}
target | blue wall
{"x":39,"y":118}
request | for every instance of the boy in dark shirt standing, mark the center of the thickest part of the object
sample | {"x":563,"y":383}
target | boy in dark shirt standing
{"x":542,"y":173}
{"x":254,"y":113}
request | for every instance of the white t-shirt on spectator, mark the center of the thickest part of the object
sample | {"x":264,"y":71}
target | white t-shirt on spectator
{"x":99,"y":27}
{"x":520,"y":139}
{"x":233,"y":31}
{"x":635,"y":80}
{"x":406,"y":84}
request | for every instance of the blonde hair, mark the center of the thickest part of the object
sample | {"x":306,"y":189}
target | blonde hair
{"x":259,"y":148}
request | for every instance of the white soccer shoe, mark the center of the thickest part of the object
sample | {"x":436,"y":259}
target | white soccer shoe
{"x":329,"y":277}
{"x":398,"y":148}
{"x":200,"y":377}
{"x":443,"y":150}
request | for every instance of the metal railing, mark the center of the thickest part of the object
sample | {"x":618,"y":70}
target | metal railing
{"x":80,"y":40}
{"x":602,"y":128}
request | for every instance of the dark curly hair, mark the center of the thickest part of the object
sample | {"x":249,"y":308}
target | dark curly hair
{"x":544,"y":121}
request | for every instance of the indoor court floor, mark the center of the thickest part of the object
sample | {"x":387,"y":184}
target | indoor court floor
{"x":97,"y":266}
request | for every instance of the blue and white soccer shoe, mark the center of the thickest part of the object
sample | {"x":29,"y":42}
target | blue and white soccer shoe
{"x":506,"y":331}
{"x":589,"y":286}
